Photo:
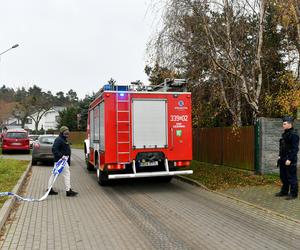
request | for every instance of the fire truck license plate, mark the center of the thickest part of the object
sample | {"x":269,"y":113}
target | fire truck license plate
{"x":149,"y":163}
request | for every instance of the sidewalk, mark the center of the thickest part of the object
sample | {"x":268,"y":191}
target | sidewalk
{"x":62,"y":222}
{"x":254,"y":193}
{"x":264,"y":196}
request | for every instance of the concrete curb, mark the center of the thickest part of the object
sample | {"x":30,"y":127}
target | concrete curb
{"x":196,"y":183}
{"x":8,"y":205}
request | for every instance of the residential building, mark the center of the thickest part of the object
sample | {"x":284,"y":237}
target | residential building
{"x":48,"y":121}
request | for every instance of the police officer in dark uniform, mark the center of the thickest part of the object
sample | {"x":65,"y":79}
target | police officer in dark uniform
{"x":288,"y":149}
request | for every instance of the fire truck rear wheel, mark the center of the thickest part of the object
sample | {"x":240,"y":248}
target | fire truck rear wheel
{"x":102,"y":177}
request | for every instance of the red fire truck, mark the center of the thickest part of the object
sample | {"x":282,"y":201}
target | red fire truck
{"x":139,"y":132}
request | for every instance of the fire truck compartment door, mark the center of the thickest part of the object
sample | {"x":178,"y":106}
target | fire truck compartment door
{"x":149,"y":123}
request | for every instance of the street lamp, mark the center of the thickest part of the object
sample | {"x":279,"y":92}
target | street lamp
{"x":13,"y":47}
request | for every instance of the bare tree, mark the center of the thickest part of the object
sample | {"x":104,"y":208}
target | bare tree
{"x":40,"y":104}
{"x":33,"y":103}
{"x":226,"y":37}
{"x":293,"y":7}
{"x":22,"y":109}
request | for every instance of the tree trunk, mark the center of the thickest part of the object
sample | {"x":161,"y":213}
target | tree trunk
{"x":36,"y":125}
{"x":23,"y":122}
{"x":259,"y":54}
{"x":296,"y":11}
{"x":238,"y":108}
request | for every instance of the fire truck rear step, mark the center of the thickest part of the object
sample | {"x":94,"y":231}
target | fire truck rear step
{"x":149,"y":174}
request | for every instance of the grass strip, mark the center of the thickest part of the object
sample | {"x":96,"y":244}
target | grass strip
{"x":10,"y":172}
{"x":218,"y":177}
{"x":78,"y":146}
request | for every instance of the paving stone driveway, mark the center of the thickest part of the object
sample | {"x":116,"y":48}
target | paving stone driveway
{"x":141,"y":215}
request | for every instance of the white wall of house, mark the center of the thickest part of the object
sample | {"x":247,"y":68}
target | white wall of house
{"x":48,"y":121}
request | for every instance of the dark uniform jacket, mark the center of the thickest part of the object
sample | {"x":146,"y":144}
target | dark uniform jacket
{"x":60,"y":148}
{"x":289,"y":146}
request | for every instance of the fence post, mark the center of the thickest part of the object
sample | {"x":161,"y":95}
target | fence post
{"x":257,"y":135}
{"x":222,"y":146}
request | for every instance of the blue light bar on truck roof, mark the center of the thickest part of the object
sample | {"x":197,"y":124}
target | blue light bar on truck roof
{"x":115,"y":87}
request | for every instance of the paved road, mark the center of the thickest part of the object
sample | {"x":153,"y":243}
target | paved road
{"x":141,"y":215}
{"x":16,"y":156}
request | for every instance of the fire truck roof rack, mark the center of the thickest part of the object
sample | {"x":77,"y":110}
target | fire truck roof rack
{"x":168,"y":85}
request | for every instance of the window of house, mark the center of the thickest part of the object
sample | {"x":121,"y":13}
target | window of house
{"x":29,"y":121}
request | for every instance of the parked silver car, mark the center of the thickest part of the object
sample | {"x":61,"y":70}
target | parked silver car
{"x":32,"y":139}
{"x":42,"y":149}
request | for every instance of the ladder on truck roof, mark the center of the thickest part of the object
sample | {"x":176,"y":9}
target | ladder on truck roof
{"x":123,"y":126}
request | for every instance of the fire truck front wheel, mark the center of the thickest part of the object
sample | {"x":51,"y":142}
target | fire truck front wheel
{"x":89,"y":166}
{"x":102,"y":177}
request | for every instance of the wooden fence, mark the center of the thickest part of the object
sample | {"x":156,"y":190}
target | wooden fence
{"x":77,"y":137}
{"x":225,"y":146}
{"x":221,"y":146}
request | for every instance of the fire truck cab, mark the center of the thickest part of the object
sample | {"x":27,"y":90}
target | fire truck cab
{"x":137,"y":131}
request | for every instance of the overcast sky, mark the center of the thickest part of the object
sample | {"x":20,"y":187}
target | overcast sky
{"x":74,"y":44}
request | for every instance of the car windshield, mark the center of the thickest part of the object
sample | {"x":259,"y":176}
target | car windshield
{"x":16,"y":135}
{"x":47,"y":140}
